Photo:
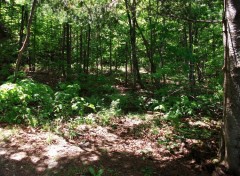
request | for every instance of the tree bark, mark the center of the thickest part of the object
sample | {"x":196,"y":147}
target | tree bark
{"x":87,"y":58}
{"x":126,"y":64}
{"x":21,"y":26}
{"x":230,"y":152}
{"x":101,"y":53}
{"x":110,"y":54}
{"x":81,"y":50}
{"x":25,"y":43}
{"x":69,"y":50}
{"x":132,"y":24}
{"x":63,"y":50}
{"x":191,"y":58}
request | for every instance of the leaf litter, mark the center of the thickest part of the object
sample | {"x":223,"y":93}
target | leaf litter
{"x":127,"y":146}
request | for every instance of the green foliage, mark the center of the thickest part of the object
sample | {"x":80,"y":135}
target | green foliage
{"x":96,"y":86}
{"x":184,"y":106}
{"x":147,"y":171}
{"x":94,"y":172}
{"x":5,"y":71}
{"x":33,"y":103}
{"x":149,"y":104}
{"x":129,"y":103}
{"x":67,"y":102}
{"x":20,"y":76}
{"x":25,"y":102}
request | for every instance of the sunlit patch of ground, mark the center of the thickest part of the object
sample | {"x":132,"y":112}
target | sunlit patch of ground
{"x":128,"y":146}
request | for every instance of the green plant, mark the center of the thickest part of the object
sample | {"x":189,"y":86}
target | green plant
{"x":67,"y":102}
{"x":25,"y":102}
{"x":94,"y":172}
{"x":125,"y":103}
{"x":104,"y":117}
{"x":21,"y":75}
{"x":49,"y":139}
{"x":147,"y":103}
{"x":147,"y":171}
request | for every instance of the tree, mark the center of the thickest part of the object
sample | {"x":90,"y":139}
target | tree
{"x":131,"y":13}
{"x":25,"y":43}
{"x":230,"y":153}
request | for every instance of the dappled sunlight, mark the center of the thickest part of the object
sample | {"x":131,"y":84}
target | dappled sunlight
{"x":119,"y":88}
{"x":41,"y":149}
{"x":7,"y":87}
{"x":121,"y":149}
{"x":135,"y":142}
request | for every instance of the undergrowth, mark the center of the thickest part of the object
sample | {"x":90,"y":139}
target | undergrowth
{"x":97,"y":101}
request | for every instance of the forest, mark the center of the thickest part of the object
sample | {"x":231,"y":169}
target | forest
{"x":119,"y":87}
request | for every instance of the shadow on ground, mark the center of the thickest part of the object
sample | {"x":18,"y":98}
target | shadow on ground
{"x":29,"y":153}
{"x":114,"y":163}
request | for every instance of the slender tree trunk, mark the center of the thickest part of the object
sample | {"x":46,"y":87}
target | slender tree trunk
{"x":25,"y":43}
{"x":69,"y":50}
{"x":132,"y":24}
{"x":63,"y":50}
{"x":34,"y":45}
{"x":88,"y":49}
{"x":81,"y":50}
{"x":126,"y":64}
{"x":230,"y":152}
{"x":21,"y":26}
{"x":116,"y":61}
{"x":191,"y":59}
{"x":101,"y":55}
{"x":149,"y":52}
{"x":110,"y":53}
{"x":161,"y":47}
{"x":97,"y":54}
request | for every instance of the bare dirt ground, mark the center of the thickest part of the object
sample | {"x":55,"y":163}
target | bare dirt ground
{"x":127,"y":147}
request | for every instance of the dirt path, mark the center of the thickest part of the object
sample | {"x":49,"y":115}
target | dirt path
{"x":124,"y":148}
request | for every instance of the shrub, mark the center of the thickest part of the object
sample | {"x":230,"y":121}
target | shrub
{"x":67,"y":102}
{"x":130,"y":103}
{"x":33,"y":103}
{"x":25,"y":101}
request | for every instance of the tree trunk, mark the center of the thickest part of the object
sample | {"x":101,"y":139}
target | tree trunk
{"x":101,"y":53}
{"x":97,"y":54}
{"x":25,"y":43}
{"x":110,"y":54}
{"x":21,"y":27}
{"x":116,"y":61}
{"x":69,"y":50}
{"x":88,"y":49}
{"x":132,"y":24}
{"x":81,"y":50}
{"x":126,"y":64}
{"x":149,"y":52}
{"x":63,"y":51}
{"x":231,"y":119}
{"x":34,"y":46}
{"x":191,"y":59}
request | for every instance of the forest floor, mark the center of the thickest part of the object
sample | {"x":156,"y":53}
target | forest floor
{"x":128,"y":146}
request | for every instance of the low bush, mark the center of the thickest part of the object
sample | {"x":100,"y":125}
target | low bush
{"x":67,"y":102}
{"x":33,"y":103}
{"x":24,"y":101}
{"x":184,"y":106}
